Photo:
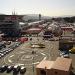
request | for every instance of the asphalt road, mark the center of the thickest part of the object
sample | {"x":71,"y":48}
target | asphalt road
{"x":23,"y":54}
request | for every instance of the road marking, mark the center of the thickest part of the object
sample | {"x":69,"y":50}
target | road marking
{"x":44,"y":58}
{"x":43,"y":54}
{"x":20,"y":52}
{"x":5,"y":60}
{"x":20,"y":64}
{"x":11,"y":55}
{"x":10,"y":61}
{"x":35,"y":63}
{"x":24,"y":57}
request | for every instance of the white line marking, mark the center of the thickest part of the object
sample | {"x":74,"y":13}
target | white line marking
{"x":10,"y":61}
{"x":11,"y":55}
{"x":44,"y":58}
{"x":5,"y":60}
{"x":35,"y":63}
{"x":20,"y":64}
{"x":42,"y":53}
{"x":22,"y":52}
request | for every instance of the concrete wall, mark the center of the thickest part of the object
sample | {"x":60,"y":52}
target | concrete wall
{"x":52,"y":72}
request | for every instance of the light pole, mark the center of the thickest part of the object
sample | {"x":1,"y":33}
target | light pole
{"x":33,"y":65}
{"x":33,"y":52}
{"x":30,"y":40}
{"x":50,"y":47}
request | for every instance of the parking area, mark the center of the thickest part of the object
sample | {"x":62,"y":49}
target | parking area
{"x":6,"y":49}
{"x":23,"y":55}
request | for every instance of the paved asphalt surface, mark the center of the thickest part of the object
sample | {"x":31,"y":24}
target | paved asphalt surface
{"x":23,"y":55}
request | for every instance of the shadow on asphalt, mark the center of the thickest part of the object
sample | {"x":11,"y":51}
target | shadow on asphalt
{"x":72,"y":73}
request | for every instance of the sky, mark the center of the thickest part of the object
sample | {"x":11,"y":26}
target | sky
{"x":43,"y":7}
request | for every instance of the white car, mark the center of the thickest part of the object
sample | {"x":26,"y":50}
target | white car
{"x":1,"y":54}
{"x":64,"y":54}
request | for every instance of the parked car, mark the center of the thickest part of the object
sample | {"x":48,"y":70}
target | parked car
{"x":7,"y":51}
{"x":23,"y":39}
{"x":4,"y":53}
{"x":1,"y":51}
{"x":3,"y":68}
{"x":64,"y":54}
{"x":13,"y":46}
{"x":2,"y":46}
{"x":22,"y":70}
{"x":72,"y":50}
{"x":17,"y":44}
{"x":16,"y":68}
{"x":9,"y":69}
{"x":7,"y":42}
{"x":1,"y":54}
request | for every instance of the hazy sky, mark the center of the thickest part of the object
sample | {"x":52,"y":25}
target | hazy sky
{"x":44,"y":7}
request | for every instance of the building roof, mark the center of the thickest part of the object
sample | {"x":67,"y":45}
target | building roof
{"x":62,"y":64}
{"x":45,"y":64}
{"x":67,"y":28}
{"x":32,"y":29}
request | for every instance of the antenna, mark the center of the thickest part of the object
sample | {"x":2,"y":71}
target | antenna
{"x":13,"y":12}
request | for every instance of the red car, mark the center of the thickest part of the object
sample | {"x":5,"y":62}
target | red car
{"x":23,"y":39}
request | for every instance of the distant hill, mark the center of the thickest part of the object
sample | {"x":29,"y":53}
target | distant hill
{"x":2,"y":14}
{"x":63,"y":16}
{"x":34,"y":16}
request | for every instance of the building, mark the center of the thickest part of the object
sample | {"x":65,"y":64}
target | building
{"x":47,"y":34}
{"x":33,"y":30}
{"x":9,"y":24}
{"x":61,"y":66}
{"x":67,"y":31}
